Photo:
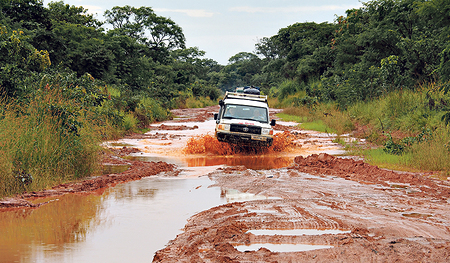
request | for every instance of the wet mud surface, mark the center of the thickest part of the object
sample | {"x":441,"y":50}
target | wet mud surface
{"x":383,"y":216}
{"x":386,"y":223}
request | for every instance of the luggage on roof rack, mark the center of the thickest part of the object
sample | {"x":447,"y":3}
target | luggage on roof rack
{"x":248,"y":90}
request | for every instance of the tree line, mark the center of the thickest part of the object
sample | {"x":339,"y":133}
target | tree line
{"x":143,"y":55}
{"x":383,"y":46}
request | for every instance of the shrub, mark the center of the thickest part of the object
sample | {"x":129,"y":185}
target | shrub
{"x":288,"y":87}
{"x":129,"y":122}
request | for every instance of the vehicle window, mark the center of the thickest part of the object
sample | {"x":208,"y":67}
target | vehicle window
{"x":246,"y":113}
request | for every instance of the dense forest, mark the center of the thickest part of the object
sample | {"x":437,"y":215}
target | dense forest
{"x":69,"y":80}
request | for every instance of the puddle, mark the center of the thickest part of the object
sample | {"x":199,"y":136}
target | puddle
{"x":140,"y":216}
{"x":297,"y":232}
{"x":417,"y":215}
{"x":114,"y":169}
{"x":250,"y":162}
{"x":233,"y":195}
{"x":288,"y":232}
{"x":281,"y":247}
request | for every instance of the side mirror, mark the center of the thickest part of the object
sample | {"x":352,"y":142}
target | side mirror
{"x":272,"y":122}
{"x":216,"y":116}
{"x":221,"y":103}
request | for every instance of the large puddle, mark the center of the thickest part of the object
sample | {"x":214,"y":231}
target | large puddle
{"x":126,"y":223}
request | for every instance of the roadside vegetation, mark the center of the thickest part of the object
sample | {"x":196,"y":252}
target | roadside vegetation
{"x":404,"y":130}
{"x":69,"y":81}
{"x":67,"y":84}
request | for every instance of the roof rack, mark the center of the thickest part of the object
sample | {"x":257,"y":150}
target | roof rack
{"x":235,"y":95}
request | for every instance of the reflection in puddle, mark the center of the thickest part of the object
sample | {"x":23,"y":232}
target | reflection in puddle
{"x":250,"y":162}
{"x":126,"y":223}
{"x":27,"y":235}
{"x":114,"y":169}
{"x":417,"y":215}
{"x":281,"y":247}
{"x":297,"y":232}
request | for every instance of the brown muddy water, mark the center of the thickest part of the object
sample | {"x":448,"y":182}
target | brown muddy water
{"x":126,"y":223}
{"x":131,"y":221}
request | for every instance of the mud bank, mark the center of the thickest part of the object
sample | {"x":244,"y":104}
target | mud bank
{"x":357,"y":170}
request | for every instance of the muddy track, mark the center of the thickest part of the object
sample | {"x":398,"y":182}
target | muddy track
{"x":384,"y":223}
{"x":383,"y":216}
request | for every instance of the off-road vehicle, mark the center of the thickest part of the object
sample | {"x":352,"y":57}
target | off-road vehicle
{"x":244,"y":119}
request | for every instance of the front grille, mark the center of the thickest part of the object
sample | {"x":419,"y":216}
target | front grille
{"x":245,"y":128}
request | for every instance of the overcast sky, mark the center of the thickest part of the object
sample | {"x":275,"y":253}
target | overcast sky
{"x":227,"y":27}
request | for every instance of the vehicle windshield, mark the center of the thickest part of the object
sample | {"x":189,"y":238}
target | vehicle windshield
{"x":245,"y":113}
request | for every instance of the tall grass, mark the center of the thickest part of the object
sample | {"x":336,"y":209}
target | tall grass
{"x":36,"y":144}
{"x":405,"y":110}
{"x":433,"y":154}
{"x":401,"y":113}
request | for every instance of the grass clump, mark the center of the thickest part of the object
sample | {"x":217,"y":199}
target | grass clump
{"x":44,"y":142}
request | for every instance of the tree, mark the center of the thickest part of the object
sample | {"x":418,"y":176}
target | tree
{"x":267,"y":48}
{"x":82,"y":49}
{"x":144,"y":25}
{"x":26,"y":14}
{"x":18,"y":61}
{"x":58,"y":11}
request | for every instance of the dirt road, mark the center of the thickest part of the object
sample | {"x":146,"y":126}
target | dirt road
{"x":384,"y":216}
{"x":317,"y":206}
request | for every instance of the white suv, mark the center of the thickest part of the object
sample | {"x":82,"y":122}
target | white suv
{"x":244,"y":118}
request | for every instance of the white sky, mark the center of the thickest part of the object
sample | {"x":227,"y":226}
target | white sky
{"x":226,"y":27}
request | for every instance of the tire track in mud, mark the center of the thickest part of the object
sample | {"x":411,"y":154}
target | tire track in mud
{"x":374,"y":213}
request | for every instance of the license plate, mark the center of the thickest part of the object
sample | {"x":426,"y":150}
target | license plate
{"x":258,"y":138}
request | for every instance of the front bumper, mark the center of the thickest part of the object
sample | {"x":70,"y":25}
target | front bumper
{"x":244,"y":138}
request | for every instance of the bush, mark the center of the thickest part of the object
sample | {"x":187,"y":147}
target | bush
{"x":129,"y":122}
{"x":288,"y":87}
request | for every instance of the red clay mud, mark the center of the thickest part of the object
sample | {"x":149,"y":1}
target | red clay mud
{"x":325,"y":164}
{"x":375,"y":213}
{"x":208,"y":144}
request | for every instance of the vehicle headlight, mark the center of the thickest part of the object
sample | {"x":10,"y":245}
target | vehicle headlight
{"x":266,"y":131}
{"x":225,"y":127}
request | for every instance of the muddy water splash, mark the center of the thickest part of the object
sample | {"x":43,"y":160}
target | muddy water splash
{"x":209,"y":144}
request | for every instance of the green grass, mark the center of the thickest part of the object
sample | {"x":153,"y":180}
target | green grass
{"x":293,"y":118}
{"x":317,"y":125}
{"x":402,"y":113}
{"x":382,"y":159}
